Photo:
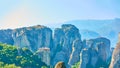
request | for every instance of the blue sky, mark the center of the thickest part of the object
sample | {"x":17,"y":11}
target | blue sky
{"x":19,"y":13}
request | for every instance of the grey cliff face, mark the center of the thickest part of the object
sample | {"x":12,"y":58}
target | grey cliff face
{"x":63,"y":45}
{"x":44,"y":54}
{"x":64,"y":41}
{"x":98,"y":53}
{"x":84,"y":58}
{"x":6,"y":36}
{"x":33,"y":37}
{"x":76,"y":49}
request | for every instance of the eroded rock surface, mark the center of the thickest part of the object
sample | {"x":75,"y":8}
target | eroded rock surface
{"x":96,"y":53}
{"x":33,"y":37}
{"x":115,"y":63}
{"x":67,"y":43}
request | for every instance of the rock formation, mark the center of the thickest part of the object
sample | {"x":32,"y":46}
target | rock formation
{"x":84,"y":55}
{"x":115,"y":63}
{"x":6,"y":36}
{"x":60,"y":65}
{"x":63,"y":45}
{"x":76,"y":49}
{"x":44,"y":54}
{"x":33,"y":37}
{"x":96,"y":53}
{"x":66,"y":39}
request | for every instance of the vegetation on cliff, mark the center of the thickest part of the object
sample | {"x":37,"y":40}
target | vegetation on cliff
{"x":18,"y":57}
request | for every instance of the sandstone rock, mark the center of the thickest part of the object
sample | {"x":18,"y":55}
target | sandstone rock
{"x":115,"y":63}
{"x":60,"y":65}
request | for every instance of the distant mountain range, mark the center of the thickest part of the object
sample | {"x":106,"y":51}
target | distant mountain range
{"x":105,"y":28}
{"x":87,"y":34}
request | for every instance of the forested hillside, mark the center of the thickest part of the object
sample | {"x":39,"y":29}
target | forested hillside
{"x":15,"y":57}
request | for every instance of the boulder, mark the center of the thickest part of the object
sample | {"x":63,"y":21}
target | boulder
{"x":60,"y":65}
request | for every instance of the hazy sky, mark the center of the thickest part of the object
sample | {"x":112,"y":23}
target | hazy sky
{"x":18,"y":13}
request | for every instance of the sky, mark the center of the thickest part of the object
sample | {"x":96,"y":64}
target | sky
{"x":19,"y":13}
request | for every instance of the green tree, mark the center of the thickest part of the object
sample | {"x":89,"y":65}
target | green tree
{"x":15,"y":56}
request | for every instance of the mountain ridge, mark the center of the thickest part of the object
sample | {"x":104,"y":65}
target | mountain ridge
{"x":64,"y":44}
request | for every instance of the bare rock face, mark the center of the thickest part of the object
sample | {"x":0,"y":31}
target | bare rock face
{"x":33,"y":37}
{"x":44,"y":54}
{"x":76,"y":49}
{"x":67,"y":43}
{"x":115,"y":63}
{"x":6,"y":36}
{"x":96,"y":54}
{"x":84,"y":58}
{"x":60,"y":65}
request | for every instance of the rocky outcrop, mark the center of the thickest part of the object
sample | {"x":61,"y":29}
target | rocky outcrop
{"x":6,"y":36}
{"x":76,"y":49}
{"x":65,"y":42}
{"x":96,"y":53}
{"x":64,"y":45}
{"x":115,"y":63}
{"x":44,"y":54}
{"x":33,"y":37}
{"x":84,"y":58}
{"x":60,"y":65}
